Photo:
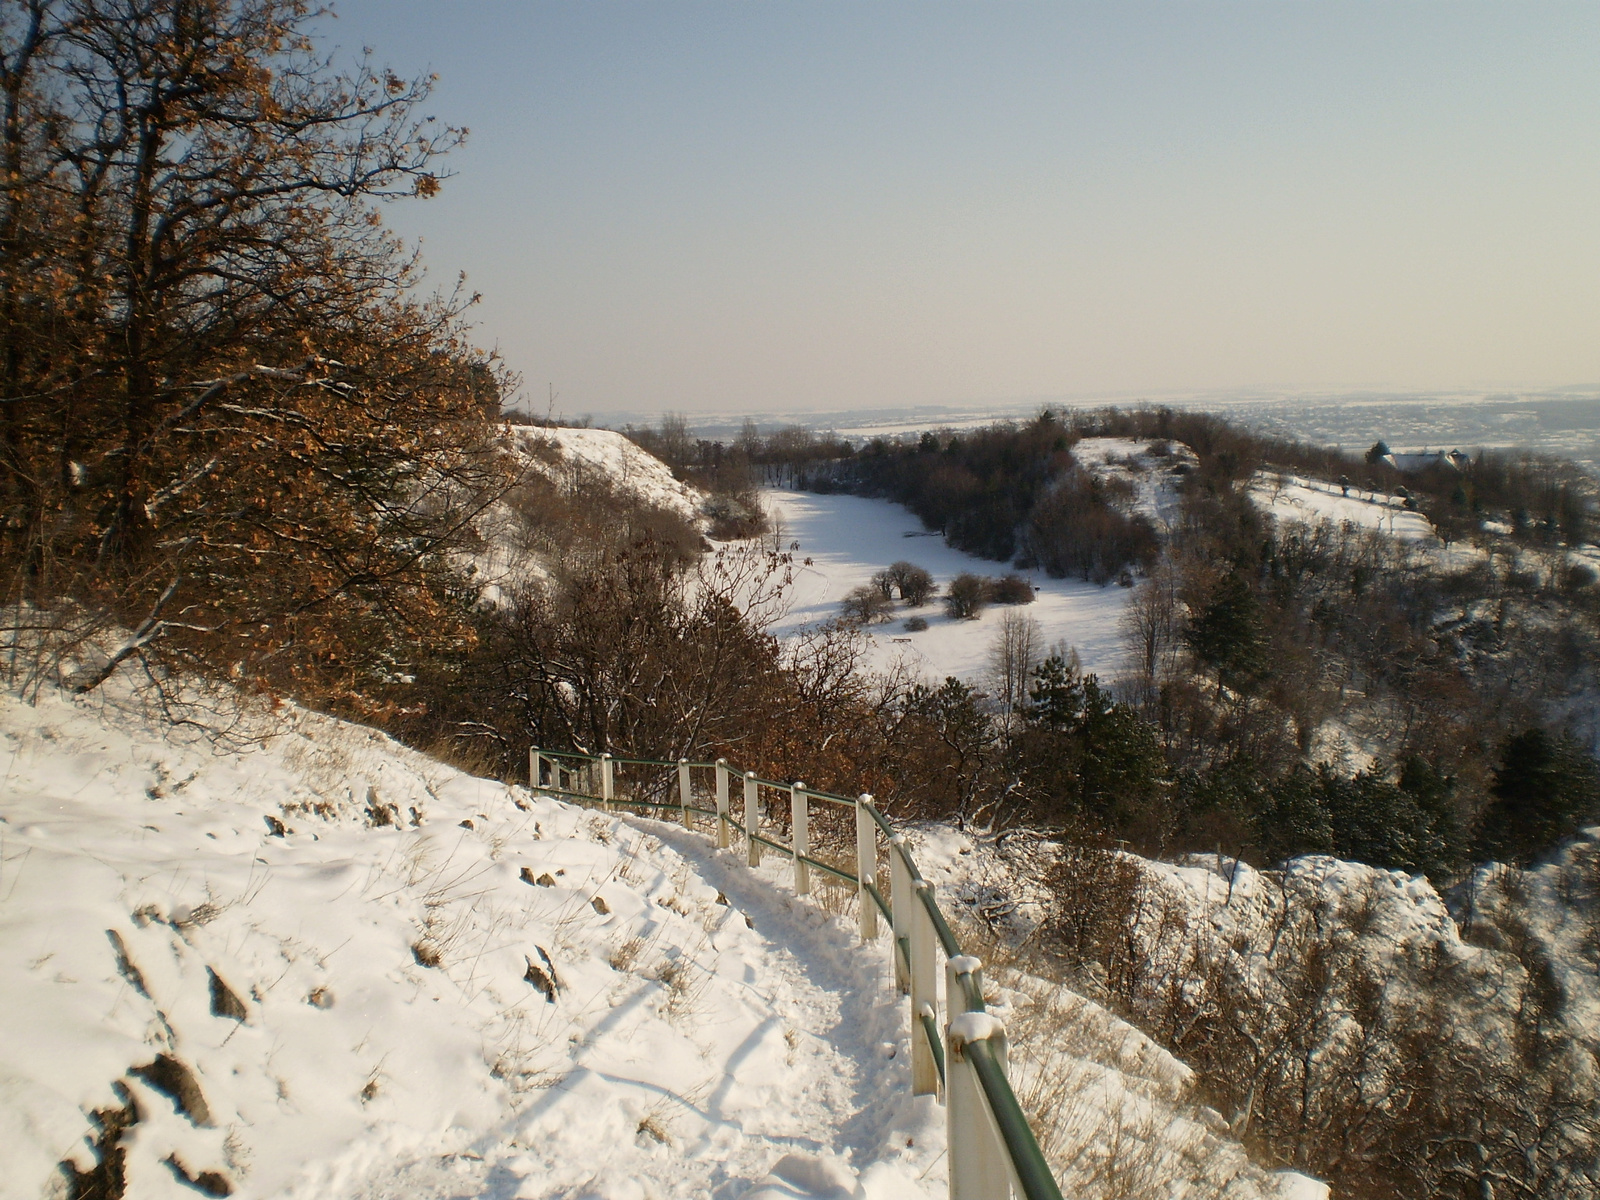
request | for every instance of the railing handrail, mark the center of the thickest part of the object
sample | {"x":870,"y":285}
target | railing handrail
{"x":969,"y":1041}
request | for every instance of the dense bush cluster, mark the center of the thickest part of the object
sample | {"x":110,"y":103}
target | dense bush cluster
{"x":1329,"y":1045}
{"x":235,"y":442}
{"x":1008,"y":493}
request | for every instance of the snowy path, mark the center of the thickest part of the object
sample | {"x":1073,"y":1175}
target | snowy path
{"x":432,"y":985}
{"x":793,"y":1035}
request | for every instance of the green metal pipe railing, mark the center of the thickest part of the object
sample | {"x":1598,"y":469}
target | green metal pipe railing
{"x":1032,"y":1172}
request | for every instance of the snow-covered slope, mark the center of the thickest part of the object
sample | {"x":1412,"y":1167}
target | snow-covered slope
{"x":1291,"y":498}
{"x":587,"y":467}
{"x":606,"y":452}
{"x":426,"y":985}
{"x":1146,"y":467}
{"x":1116,"y":1112}
{"x":1294,"y":984}
{"x":323,"y":965}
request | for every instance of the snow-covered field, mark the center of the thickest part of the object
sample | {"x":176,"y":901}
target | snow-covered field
{"x":1291,"y":498}
{"x":845,"y":540}
{"x":613,"y":1010}
{"x":841,"y":541}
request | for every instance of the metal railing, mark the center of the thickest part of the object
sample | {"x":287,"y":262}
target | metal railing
{"x":993,"y":1153}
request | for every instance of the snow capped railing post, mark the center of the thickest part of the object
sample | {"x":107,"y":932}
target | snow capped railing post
{"x":963,"y":985}
{"x":685,"y":792}
{"x":722,"y":804}
{"x":900,"y":902}
{"x":866,"y":868}
{"x":608,"y":779}
{"x":752,"y":821}
{"x":535,"y":767}
{"x":924,"y":999}
{"x":980,"y":1169}
{"x":800,"y":837}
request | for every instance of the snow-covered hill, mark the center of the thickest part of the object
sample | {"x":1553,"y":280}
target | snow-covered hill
{"x":1292,"y":498}
{"x":324,"y":965}
{"x":1324,"y":996}
{"x":630,"y":468}
{"x":321,"y":964}
{"x":590,"y":468}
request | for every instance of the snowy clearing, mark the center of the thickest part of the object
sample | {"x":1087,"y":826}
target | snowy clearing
{"x":843,"y":540}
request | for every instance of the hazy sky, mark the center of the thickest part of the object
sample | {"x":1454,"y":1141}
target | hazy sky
{"x":765,"y":206}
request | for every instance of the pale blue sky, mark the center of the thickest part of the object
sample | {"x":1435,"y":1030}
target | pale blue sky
{"x":760,"y":206}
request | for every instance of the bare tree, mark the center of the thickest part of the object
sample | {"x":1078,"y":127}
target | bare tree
{"x":1152,"y":627}
{"x":1017,"y":648}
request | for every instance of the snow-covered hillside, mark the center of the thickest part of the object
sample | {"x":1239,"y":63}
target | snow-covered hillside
{"x":585,"y":466}
{"x":323,"y":965}
{"x":1145,"y":468}
{"x":629,"y":468}
{"x":426,"y":984}
{"x":1291,"y":498}
{"x":1324,"y":995}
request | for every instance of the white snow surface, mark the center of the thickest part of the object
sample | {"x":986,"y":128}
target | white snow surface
{"x":845,"y":540}
{"x":704,"y":1028}
{"x":1291,"y":498}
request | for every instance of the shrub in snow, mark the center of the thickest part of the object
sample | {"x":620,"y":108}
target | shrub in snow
{"x":915,"y":584}
{"x":866,"y":604}
{"x":1008,"y":589}
{"x":965,"y":596}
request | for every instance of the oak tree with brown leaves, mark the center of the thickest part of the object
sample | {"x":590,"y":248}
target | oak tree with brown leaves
{"x":232,"y":434}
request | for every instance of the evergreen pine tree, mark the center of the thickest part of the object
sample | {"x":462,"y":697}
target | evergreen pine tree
{"x":1544,"y":788}
{"x":1227,"y":635}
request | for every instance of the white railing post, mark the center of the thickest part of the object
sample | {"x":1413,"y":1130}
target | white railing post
{"x":752,"y":821}
{"x":534,"y":771}
{"x":979,"y":1166}
{"x":800,"y":837}
{"x":900,"y":911}
{"x":722,"y":804}
{"x":924,"y":997}
{"x":684,"y":793}
{"x":866,"y":868}
{"x":956,"y":1000}
{"x":608,"y":779}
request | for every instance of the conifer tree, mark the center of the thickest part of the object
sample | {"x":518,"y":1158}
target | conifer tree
{"x":1227,"y":634}
{"x":1544,"y":789}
